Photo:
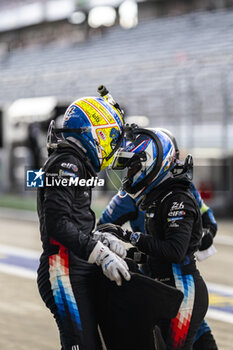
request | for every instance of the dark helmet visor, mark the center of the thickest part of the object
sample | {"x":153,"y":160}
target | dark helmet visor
{"x":122,"y":160}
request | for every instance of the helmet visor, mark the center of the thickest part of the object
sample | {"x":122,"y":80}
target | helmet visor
{"x":121,"y":160}
{"x":130,"y":160}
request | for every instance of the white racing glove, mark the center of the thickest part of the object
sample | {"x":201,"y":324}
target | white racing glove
{"x":112,"y":242}
{"x":112,"y":265}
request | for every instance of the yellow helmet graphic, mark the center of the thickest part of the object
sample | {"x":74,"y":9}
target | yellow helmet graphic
{"x":98,"y":125}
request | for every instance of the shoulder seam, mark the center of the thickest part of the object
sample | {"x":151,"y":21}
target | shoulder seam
{"x":167,"y":195}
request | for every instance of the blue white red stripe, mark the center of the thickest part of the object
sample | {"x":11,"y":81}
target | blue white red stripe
{"x":179,"y":325}
{"x":61,"y":286}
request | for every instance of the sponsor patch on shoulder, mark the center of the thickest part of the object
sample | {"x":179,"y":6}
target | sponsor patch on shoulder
{"x":69,"y":166}
{"x":65,"y":173}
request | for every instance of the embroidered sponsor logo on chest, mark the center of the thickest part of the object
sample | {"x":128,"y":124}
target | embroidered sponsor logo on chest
{"x":177,"y":206}
{"x":176,"y":213}
{"x":174,"y":219}
{"x":173,"y":224}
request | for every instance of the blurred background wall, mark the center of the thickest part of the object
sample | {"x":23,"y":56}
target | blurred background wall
{"x":169,"y":62}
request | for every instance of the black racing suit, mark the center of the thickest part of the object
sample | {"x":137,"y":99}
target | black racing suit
{"x":65,"y":279}
{"x":173,"y":224}
{"x":76,"y":292}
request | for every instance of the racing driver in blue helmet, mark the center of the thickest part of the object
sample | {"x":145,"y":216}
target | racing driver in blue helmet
{"x":123,"y":208}
{"x":91,"y":133}
{"x":161,"y":183}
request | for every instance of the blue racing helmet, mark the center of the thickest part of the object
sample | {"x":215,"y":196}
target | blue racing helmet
{"x":98,"y":126}
{"x":149,"y":158}
{"x":172,"y":137}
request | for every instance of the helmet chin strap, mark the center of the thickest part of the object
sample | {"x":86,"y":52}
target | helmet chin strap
{"x":112,"y":182}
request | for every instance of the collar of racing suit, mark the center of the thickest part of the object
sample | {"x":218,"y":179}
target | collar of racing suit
{"x":74,"y":148}
{"x":162,"y":190}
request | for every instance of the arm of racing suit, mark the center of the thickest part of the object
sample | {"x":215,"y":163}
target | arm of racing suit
{"x":120,"y":209}
{"x":208,"y":219}
{"x":178,"y":216}
{"x":57,"y":208}
{"x":123,"y":208}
